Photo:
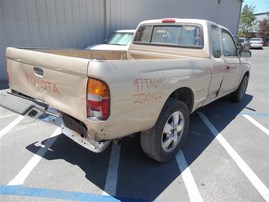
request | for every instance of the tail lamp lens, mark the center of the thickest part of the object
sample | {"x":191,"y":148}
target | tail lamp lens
{"x":98,"y":99}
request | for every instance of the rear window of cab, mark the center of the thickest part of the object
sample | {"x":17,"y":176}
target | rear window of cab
{"x":189,"y":36}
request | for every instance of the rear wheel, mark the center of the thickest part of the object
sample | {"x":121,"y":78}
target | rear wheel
{"x":163,"y":141}
{"x":238,"y":95}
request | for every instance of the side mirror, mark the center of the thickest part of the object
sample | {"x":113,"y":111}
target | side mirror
{"x":244,"y":50}
{"x":245,"y":54}
{"x":245,"y":47}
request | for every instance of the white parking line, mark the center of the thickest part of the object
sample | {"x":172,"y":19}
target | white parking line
{"x":10,"y":126}
{"x":257,"y":183}
{"x":190,"y":184}
{"x":261,"y":127}
{"x":32,"y":163}
{"x":112,"y":173}
{"x":2,"y":117}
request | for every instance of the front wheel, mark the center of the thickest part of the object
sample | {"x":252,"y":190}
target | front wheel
{"x":163,"y":141}
{"x":238,"y":95}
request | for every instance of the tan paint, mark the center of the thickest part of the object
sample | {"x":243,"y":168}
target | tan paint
{"x":140,"y":80}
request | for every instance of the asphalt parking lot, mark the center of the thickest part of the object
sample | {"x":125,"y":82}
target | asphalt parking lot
{"x":225,"y":158}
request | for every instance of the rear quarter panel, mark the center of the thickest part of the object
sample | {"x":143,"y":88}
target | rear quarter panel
{"x":139,"y":89}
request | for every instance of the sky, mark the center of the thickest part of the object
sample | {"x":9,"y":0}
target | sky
{"x":260,"y":5}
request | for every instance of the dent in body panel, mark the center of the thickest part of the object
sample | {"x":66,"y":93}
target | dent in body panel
{"x":196,"y":78}
{"x":73,"y":94}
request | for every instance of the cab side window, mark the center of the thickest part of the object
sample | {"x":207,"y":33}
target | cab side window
{"x":229,"y":48}
{"x":143,"y":34}
{"x":215,"y":41}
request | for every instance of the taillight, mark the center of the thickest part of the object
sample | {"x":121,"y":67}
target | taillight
{"x":98,"y":99}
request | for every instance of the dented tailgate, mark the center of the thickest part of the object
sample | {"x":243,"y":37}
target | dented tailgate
{"x":57,"y":80}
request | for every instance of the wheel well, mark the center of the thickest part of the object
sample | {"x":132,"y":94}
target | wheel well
{"x":247,"y":73}
{"x":185,"y":95}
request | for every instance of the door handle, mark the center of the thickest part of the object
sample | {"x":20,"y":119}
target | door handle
{"x":38,"y":71}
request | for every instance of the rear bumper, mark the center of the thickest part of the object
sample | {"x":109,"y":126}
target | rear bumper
{"x":40,"y":111}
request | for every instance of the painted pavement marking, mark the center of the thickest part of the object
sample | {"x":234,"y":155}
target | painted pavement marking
{"x":8,"y":115}
{"x":261,"y":127}
{"x":57,"y":194}
{"x":257,"y":183}
{"x":11,"y":125}
{"x":188,"y":179}
{"x":32,"y":163}
{"x":112,"y":173}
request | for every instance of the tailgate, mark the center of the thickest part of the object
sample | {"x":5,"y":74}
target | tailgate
{"x":59,"y":81}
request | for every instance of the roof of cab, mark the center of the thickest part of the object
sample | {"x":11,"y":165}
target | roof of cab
{"x":177,"y":20}
{"x":180,"y":20}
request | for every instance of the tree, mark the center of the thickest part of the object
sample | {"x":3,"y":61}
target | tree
{"x":263,"y":30}
{"x":247,"y":21}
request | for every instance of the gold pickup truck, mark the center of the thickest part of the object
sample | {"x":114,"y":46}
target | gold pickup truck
{"x":172,"y":67}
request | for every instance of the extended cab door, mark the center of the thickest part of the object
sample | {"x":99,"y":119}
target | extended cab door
{"x":218,"y":64}
{"x":231,"y":60}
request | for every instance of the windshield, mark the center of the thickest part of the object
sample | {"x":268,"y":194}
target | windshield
{"x":118,"y":38}
{"x":241,"y":40}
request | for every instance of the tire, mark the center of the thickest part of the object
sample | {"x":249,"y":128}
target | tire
{"x":163,"y":141}
{"x":238,"y":95}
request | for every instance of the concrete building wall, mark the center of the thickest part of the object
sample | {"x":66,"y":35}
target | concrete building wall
{"x":261,"y":16}
{"x":129,"y":13}
{"x":80,"y":23}
{"x":50,"y":23}
{"x":229,"y":12}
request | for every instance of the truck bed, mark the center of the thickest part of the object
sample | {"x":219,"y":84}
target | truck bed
{"x":88,"y":54}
